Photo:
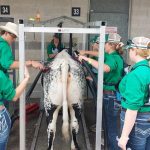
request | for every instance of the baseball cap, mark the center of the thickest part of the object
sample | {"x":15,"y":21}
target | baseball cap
{"x":138,"y":42}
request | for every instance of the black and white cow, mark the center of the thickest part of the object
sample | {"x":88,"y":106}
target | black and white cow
{"x":64,"y":86}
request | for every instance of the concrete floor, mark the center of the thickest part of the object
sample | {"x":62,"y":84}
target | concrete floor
{"x":59,"y":143}
{"x":13,"y":143}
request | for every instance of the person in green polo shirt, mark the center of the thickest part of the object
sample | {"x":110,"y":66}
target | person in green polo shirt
{"x":8,"y":93}
{"x":54,"y":47}
{"x":134,"y":88}
{"x":113,"y":72}
{"x":9,"y":33}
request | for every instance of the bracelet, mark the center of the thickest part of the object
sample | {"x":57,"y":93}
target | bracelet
{"x":90,"y":62}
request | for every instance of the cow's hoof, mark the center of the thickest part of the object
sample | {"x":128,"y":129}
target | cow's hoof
{"x":75,"y":148}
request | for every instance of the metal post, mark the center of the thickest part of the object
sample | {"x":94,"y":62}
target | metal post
{"x":42,"y":45}
{"x":70,"y":44}
{"x":21,"y":77}
{"x":84,"y":42}
{"x":100,"y":87}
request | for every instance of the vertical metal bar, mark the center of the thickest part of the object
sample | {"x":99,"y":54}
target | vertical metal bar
{"x":70,"y":44}
{"x":21,"y":77}
{"x":84,"y":42}
{"x":42,"y":45}
{"x":100,"y":87}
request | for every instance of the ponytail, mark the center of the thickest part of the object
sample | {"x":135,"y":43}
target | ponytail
{"x":117,"y":47}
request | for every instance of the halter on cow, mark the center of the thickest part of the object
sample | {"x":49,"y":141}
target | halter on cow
{"x":64,"y":86}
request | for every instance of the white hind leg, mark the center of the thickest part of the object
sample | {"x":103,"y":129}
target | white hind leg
{"x":75,"y":113}
{"x":52,"y":115}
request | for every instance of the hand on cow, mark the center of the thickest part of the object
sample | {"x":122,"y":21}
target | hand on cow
{"x":82,"y":58}
{"x":37,"y":65}
{"x":89,"y":78}
{"x":52,"y":55}
{"x":82,"y":52}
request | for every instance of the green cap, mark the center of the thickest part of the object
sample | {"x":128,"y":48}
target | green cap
{"x":96,"y":38}
{"x":93,"y":40}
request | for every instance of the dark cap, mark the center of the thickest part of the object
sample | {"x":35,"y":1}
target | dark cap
{"x":56,"y":35}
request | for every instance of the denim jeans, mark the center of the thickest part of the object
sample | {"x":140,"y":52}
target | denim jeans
{"x":5,"y":125}
{"x":111,"y":116}
{"x":139,"y":138}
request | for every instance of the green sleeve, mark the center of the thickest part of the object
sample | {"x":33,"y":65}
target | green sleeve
{"x":111,"y":63}
{"x":132,"y":93}
{"x":49,"y":49}
{"x":7,"y":89}
{"x":6,"y":57}
{"x":62,"y":46}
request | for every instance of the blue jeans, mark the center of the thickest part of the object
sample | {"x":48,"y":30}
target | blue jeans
{"x":139,"y":138}
{"x":5,"y":125}
{"x":111,"y":114}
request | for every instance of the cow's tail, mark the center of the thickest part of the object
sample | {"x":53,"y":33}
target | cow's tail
{"x":65,"y":126}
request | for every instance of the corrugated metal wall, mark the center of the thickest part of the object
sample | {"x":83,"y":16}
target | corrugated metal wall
{"x":140,"y":18}
{"x":115,"y":12}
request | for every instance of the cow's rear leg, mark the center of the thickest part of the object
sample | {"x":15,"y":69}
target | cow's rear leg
{"x":51,"y":118}
{"x":75,"y":112}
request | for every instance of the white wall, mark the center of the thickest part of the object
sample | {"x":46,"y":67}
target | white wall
{"x":140,"y":18}
{"x":48,"y":9}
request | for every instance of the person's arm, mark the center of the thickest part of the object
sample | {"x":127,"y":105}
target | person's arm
{"x":87,"y":52}
{"x":29,"y":63}
{"x":94,"y":63}
{"x":52,"y":55}
{"x":129,"y":122}
{"x":22,"y":85}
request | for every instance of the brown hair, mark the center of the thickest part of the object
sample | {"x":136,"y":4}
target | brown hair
{"x":2,"y":32}
{"x":145,"y":53}
{"x":117,"y":47}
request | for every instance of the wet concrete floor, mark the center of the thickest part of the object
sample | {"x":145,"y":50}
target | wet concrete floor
{"x":59,"y":144}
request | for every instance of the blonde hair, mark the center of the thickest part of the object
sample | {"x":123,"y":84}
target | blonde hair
{"x":145,"y":53}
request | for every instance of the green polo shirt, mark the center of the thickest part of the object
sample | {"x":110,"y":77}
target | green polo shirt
{"x":134,"y":87}
{"x":7,"y":91}
{"x":6,"y":57}
{"x":115,"y":62}
{"x":51,"y":49}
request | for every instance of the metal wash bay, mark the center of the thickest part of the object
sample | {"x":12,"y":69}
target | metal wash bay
{"x":101,"y":31}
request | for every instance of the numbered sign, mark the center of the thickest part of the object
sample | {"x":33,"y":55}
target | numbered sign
{"x":76,"y":11}
{"x":5,"y":10}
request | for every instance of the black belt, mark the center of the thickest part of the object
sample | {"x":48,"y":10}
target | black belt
{"x":108,"y":92}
